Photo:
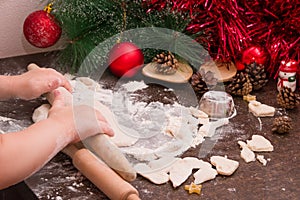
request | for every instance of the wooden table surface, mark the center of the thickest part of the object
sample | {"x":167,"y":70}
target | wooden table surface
{"x":279,"y":179}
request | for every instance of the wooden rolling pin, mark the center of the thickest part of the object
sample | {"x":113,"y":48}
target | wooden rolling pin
{"x":101,"y":175}
{"x":99,"y":143}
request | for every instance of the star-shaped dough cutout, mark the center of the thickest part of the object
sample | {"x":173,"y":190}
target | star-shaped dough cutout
{"x":193,"y":188}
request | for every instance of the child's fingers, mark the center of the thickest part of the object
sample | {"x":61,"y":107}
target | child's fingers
{"x":58,"y":82}
{"x":90,"y":121}
{"x":66,"y":84}
{"x":106,"y":129}
{"x":100,"y":116}
{"x":58,"y":100}
{"x":53,"y":84}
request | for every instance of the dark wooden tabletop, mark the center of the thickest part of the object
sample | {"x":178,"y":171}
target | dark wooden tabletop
{"x":279,"y":179}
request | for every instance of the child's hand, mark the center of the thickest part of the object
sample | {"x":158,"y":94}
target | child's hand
{"x":36,"y":82}
{"x":79,"y":122}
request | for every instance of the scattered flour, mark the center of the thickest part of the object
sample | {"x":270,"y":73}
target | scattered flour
{"x":8,"y":125}
{"x":133,"y":86}
{"x":162,"y":129}
{"x":73,"y":189}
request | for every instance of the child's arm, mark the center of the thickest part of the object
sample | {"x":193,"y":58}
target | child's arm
{"x":5,"y":87}
{"x":32,"y":84}
{"x":23,"y":153}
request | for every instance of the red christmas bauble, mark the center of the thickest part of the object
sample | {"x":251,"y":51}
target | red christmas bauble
{"x":239,"y":65}
{"x":254,"y":53}
{"x":41,"y":29}
{"x":125,"y":59}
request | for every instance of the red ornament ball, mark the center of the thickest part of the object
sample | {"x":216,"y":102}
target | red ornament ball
{"x":239,"y":65}
{"x":254,"y":53}
{"x":125,"y":59}
{"x":41,"y":29}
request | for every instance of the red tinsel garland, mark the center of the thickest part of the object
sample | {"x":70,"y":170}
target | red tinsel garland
{"x":226,"y":27}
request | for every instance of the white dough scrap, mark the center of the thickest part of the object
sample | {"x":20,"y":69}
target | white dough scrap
{"x":242,"y":144}
{"x":259,"y":144}
{"x":182,"y":169}
{"x":198,"y":113}
{"x":196,"y":163}
{"x":203,"y":120}
{"x":201,"y":117}
{"x":261,"y":110}
{"x":246,"y":153}
{"x":209,"y":129}
{"x":205,"y":174}
{"x":262,"y":160}
{"x":224,"y":165}
{"x":198,"y":139}
{"x":157,"y":177}
{"x":173,"y":126}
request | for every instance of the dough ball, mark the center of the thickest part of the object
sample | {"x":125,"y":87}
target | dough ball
{"x":41,"y":113}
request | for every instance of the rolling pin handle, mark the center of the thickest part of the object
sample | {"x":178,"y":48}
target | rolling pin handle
{"x":133,"y":197}
{"x":103,"y":177}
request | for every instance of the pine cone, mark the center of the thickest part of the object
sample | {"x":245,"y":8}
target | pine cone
{"x":287,"y":99}
{"x":240,"y":85}
{"x":165,"y":63}
{"x":282,"y":124}
{"x":257,"y":74}
{"x":202,"y":81}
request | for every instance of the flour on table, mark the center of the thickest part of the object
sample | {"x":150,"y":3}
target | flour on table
{"x":140,"y":121}
{"x":133,"y":86}
{"x":9,"y":125}
{"x":5,"y":119}
{"x":151,"y":135}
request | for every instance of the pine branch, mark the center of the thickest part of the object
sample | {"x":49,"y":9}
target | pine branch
{"x":88,"y":23}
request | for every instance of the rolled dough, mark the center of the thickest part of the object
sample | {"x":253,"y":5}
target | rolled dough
{"x":41,"y":113}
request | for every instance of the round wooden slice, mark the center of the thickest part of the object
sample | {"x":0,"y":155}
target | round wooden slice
{"x":222,"y":71}
{"x":182,"y":75}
